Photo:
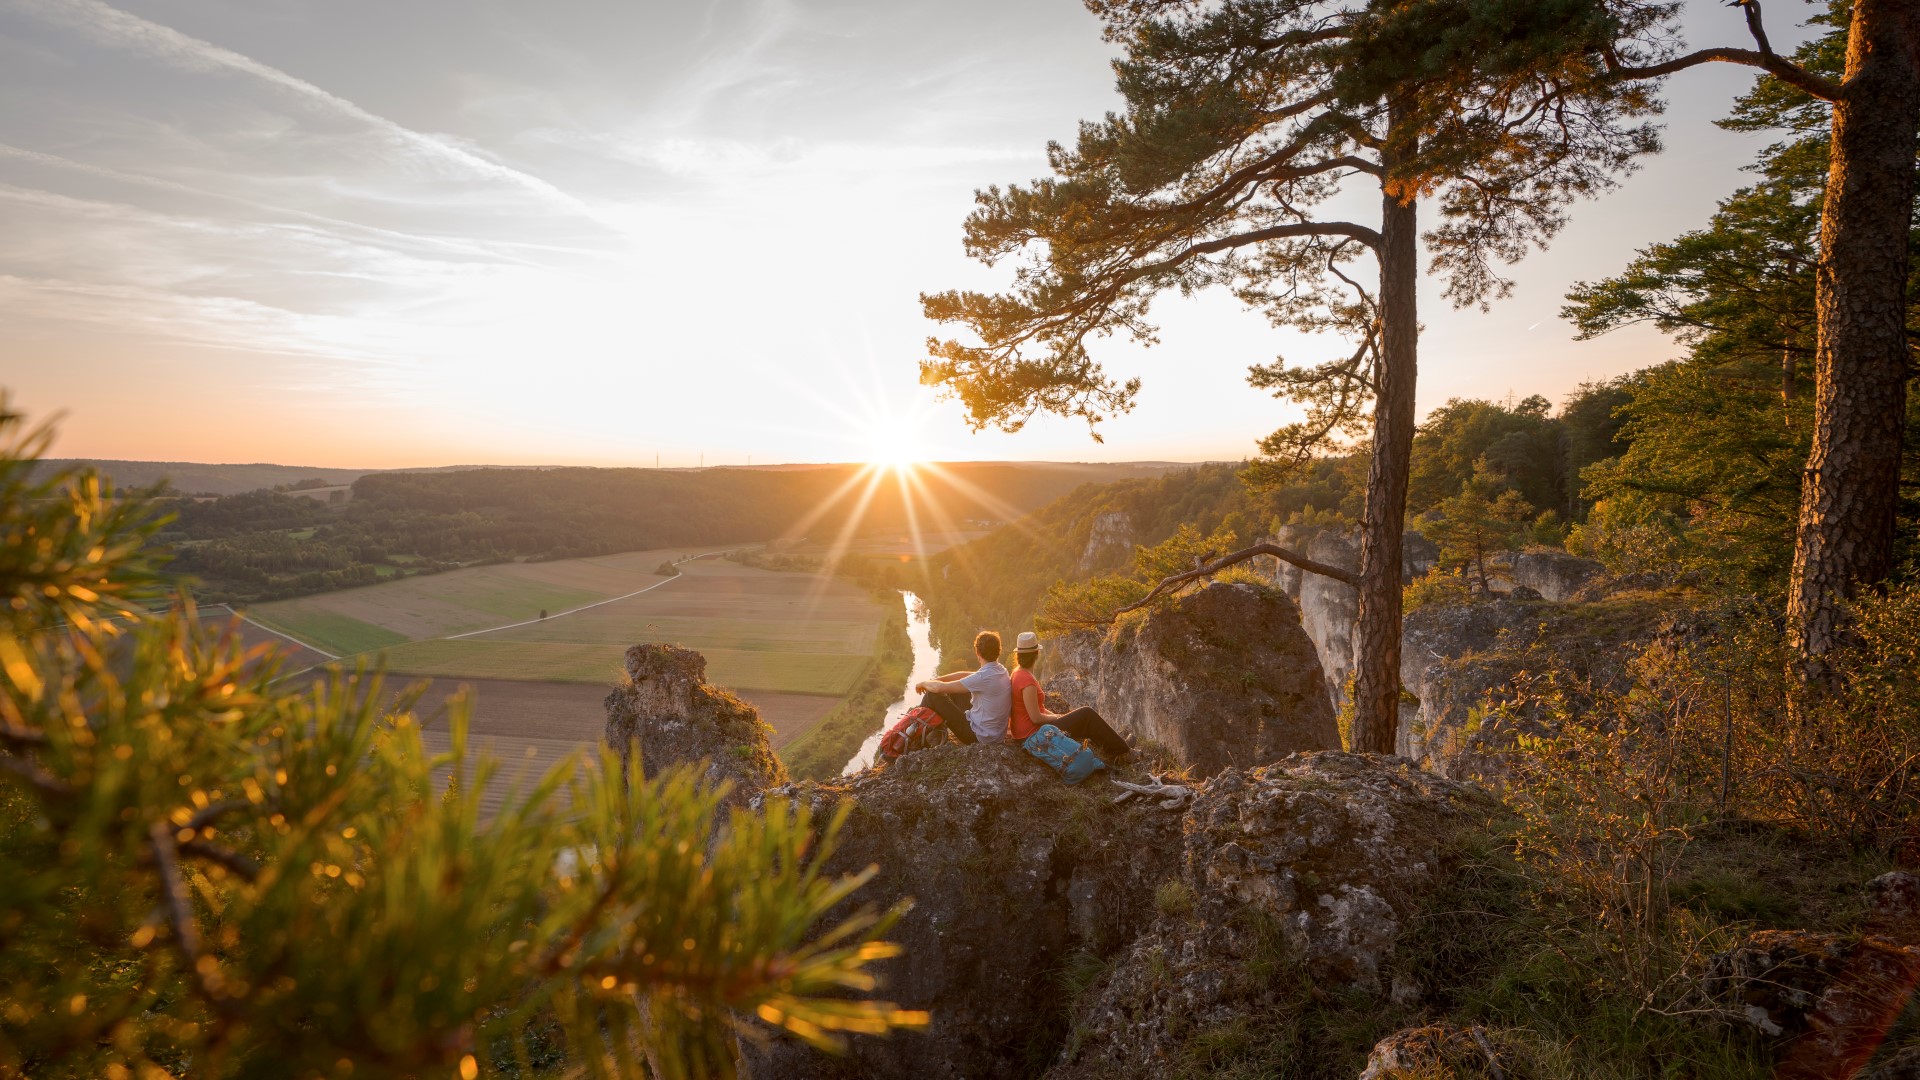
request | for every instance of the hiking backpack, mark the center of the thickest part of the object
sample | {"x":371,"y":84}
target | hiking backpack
{"x":919,"y":728}
{"x":1064,"y":753}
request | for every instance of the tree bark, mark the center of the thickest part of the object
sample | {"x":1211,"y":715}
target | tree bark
{"x":1376,"y":645}
{"x":1851,"y":485}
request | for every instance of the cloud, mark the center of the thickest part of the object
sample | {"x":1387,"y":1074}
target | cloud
{"x":109,"y":25}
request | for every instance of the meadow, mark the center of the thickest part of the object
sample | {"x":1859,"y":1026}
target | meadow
{"x":438,"y":605}
{"x":795,"y":645}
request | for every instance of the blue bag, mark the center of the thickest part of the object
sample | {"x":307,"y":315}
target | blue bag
{"x":1071,"y":760}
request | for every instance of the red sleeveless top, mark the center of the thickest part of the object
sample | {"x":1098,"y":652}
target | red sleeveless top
{"x":1019,"y":724}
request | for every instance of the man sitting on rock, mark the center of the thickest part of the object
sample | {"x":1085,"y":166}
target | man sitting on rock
{"x":987,"y":690}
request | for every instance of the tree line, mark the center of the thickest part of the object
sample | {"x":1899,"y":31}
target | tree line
{"x":264,"y":544}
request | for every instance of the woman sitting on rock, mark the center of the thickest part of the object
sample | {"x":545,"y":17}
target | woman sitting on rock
{"x":1030,"y":707}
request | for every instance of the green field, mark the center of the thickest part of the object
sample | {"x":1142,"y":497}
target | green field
{"x":460,"y":601}
{"x":328,"y":630}
{"x":793,"y":673}
{"x":773,"y":633}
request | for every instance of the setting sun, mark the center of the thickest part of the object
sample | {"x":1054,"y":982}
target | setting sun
{"x":895,"y":452}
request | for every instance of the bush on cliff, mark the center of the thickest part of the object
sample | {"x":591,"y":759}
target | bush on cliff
{"x":206,"y":872}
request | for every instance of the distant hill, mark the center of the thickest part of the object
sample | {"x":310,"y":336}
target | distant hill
{"x":261,"y":544}
{"x":206,"y":478}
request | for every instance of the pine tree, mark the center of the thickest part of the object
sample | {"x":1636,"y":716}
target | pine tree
{"x":208,"y":872}
{"x":1242,"y":121}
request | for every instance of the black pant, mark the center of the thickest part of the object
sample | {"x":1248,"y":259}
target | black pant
{"x":952,"y":709}
{"x":1087,"y":726}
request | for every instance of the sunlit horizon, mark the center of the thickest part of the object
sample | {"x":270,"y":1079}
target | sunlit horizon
{"x":622,"y":235}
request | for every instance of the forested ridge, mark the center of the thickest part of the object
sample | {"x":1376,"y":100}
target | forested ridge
{"x":267,"y":544}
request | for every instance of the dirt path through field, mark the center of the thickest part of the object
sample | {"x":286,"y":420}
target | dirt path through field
{"x":583,"y":607}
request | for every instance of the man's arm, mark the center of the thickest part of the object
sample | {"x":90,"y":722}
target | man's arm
{"x":944,"y":684}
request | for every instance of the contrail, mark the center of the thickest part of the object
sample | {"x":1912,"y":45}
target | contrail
{"x":111,"y":26}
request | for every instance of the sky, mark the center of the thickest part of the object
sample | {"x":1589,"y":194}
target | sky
{"x":362,"y":233}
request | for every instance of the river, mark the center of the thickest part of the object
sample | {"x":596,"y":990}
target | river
{"x":926,"y":664}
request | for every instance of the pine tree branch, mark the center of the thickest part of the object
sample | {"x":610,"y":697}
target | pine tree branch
{"x":214,"y":853}
{"x":1764,"y":58}
{"x":173,"y":893}
{"x":45,"y":783}
{"x":1312,"y":566}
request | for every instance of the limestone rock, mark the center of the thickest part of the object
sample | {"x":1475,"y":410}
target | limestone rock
{"x":1894,"y":906}
{"x":1109,"y":542}
{"x":1011,"y":873}
{"x":1315,"y":861}
{"x":1436,"y":1050}
{"x":1328,"y":608}
{"x":1224,"y":676}
{"x":1457,"y":658}
{"x":1902,"y":1064}
{"x":1555,"y":575}
{"x":666,"y":709}
{"x":1832,"y":994}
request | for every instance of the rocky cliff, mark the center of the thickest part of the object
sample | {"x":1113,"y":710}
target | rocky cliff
{"x":1021,"y":886}
{"x":1224,"y":676}
{"x":1308,"y":869}
{"x":1109,"y":542}
{"x":1329,"y":608}
{"x":1013,"y":876}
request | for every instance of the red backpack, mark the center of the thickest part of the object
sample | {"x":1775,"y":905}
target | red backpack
{"x":920,"y":728}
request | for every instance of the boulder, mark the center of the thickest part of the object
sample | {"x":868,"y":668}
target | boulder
{"x":1893,"y":906}
{"x":1833,"y":995}
{"x":1012,"y":875}
{"x":1313,"y":864}
{"x":1221,"y":677}
{"x":1555,"y":575}
{"x":667,"y":711}
{"x":1437,"y":1050}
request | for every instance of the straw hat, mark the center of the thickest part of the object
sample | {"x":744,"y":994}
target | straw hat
{"x":1028,"y":641}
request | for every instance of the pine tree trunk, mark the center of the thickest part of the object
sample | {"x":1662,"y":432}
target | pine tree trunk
{"x":1851,"y":485}
{"x":1376,"y":645}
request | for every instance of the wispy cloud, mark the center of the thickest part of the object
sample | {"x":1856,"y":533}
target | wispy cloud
{"x":111,"y":26}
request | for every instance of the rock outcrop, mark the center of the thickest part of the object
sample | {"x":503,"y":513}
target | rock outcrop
{"x":1555,"y":575}
{"x":1315,"y":862}
{"x":1011,"y":874}
{"x":1224,"y":676}
{"x":1833,"y":995}
{"x":1109,"y":542}
{"x":667,"y":712}
{"x":1457,"y":658}
{"x":1329,"y":608}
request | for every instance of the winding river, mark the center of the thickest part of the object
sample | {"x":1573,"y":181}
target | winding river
{"x":926,"y":664}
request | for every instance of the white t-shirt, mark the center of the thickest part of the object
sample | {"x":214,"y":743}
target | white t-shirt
{"x":992,"y":690}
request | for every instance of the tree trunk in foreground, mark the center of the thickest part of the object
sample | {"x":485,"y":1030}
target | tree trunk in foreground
{"x":1851,"y":486}
{"x":1376,"y":644}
